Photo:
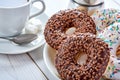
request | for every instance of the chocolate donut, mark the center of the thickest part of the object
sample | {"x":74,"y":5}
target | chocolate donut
{"x":97,"y":52}
{"x":59,"y":23}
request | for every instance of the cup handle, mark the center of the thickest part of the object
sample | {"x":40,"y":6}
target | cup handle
{"x":39,"y":12}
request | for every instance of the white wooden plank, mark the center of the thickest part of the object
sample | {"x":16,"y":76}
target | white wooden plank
{"x":19,"y":67}
{"x":54,"y":6}
{"x":37,"y":55}
{"x":114,"y":3}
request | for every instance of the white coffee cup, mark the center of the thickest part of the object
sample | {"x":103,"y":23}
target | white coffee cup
{"x":14,"y":18}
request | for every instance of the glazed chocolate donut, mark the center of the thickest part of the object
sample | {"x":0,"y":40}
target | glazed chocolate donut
{"x":97,"y":52}
{"x":59,"y":23}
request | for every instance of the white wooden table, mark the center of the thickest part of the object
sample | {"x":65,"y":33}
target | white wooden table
{"x":30,"y":65}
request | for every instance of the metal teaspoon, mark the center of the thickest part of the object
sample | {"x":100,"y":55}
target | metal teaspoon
{"x":21,"y":39}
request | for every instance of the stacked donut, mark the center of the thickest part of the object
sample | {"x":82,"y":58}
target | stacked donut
{"x":108,"y":29}
{"x":69,"y":46}
{"x":60,"y":22}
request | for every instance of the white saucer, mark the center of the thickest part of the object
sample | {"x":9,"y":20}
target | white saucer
{"x":49,"y":56}
{"x":8,"y":47}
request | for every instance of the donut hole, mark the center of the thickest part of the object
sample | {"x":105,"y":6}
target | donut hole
{"x":118,"y":56}
{"x":118,"y":51}
{"x":70,"y":30}
{"x":81,"y":58}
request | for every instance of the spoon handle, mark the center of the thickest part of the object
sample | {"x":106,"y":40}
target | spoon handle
{"x":7,"y":38}
{"x":21,"y":39}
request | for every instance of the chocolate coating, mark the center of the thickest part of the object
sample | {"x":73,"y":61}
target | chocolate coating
{"x":59,"y":23}
{"x":97,"y":52}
